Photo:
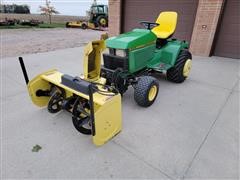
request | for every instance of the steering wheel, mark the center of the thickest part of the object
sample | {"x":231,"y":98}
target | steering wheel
{"x":149,"y":25}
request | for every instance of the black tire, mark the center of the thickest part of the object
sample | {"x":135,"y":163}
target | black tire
{"x":84,"y":26}
{"x":67,"y":25}
{"x":99,"y":18}
{"x":142,"y":89}
{"x":175,"y":74}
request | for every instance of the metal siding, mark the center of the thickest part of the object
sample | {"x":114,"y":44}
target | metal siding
{"x":135,"y":11}
{"x":227,"y":39}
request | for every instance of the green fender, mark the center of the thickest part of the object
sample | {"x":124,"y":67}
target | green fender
{"x":166,"y":56}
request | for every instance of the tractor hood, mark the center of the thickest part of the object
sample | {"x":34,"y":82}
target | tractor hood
{"x":133,"y":39}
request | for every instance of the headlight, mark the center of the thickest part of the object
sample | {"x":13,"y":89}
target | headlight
{"x":120,"y":52}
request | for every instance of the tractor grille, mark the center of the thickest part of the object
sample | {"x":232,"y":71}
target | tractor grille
{"x":114,"y":62}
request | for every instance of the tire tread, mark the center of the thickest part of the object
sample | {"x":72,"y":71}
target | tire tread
{"x":175,"y":74}
{"x":142,"y":89}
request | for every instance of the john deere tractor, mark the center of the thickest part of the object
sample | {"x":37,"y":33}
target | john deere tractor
{"x":99,"y":15}
{"x":131,"y":58}
{"x":98,"y":18}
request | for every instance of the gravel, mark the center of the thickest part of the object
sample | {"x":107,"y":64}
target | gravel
{"x":17,"y":42}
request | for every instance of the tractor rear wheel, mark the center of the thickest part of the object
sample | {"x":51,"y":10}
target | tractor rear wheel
{"x":146,"y":91}
{"x":180,"y":71}
{"x":102,"y":21}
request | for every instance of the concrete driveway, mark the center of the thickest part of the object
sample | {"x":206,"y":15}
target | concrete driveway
{"x":191,"y":131}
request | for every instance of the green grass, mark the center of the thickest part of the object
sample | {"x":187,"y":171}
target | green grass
{"x":53,"y":25}
{"x":45,"y":25}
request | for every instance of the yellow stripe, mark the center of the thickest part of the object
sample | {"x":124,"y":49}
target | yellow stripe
{"x":142,"y":46}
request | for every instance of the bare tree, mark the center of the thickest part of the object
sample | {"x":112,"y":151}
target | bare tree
{"x":48,"y":10}
{"x":94,"y":3}
{"x":88,"y":12}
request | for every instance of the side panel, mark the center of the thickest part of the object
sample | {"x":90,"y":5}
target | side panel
{"x":168,"y":54}
{"x":139,"y":58}
{"x":108,"y":120}
{"x":36,"y":84}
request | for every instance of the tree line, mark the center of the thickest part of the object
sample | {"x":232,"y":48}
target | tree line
{"x":14,"y":8}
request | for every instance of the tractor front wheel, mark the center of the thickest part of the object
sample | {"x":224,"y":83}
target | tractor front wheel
{"x":146,"y":91}
{"x":180,"y":71}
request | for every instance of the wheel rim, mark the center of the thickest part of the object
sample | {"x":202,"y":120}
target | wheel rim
{"x":187,"y":67}
{"x":103,"y":21}
{"x":152,"y":93}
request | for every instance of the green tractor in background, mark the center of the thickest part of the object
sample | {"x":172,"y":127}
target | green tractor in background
{"x":99,"y":15}
{"x":98,"y":18}
{"x":131,"y":58}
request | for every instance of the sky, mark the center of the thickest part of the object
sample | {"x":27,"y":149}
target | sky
{"x":65,"y":7}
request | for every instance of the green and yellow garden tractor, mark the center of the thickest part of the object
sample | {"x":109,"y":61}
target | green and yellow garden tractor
{"x":130,"y":59}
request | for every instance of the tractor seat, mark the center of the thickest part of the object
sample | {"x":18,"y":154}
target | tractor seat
{"x":167,"y":24}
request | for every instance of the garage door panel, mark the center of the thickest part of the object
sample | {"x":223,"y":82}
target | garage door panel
{"x":135,"y":11}
{"x":226,"y":53}
{"x":227,"y":40}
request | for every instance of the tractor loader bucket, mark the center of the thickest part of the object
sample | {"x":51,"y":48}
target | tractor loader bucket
{"x":101,"y":107}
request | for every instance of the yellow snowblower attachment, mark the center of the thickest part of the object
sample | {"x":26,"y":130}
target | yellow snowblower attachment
{"x":95,"y":107}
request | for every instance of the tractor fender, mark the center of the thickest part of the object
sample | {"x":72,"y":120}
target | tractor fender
{"x":170,"y":52}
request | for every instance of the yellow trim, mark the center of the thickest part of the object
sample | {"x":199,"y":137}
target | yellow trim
{"x":142,"y":46}
{"x":187,"y":68}
{"x":152,"y":93}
